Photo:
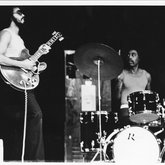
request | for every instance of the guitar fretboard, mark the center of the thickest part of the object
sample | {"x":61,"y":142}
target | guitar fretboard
{"x":39,"y":52}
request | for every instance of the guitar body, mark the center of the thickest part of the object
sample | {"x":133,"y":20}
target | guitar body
{"x":18,"y":78}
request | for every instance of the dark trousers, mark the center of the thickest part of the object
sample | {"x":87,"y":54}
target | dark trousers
{"x":34,"y":149}
{"x":123,"y":118}
{"x":12,"y":131}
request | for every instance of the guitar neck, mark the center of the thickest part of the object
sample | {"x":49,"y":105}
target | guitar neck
{"x":50,"y":42}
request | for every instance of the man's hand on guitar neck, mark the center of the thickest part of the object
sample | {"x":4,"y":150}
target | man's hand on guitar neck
{"x":30,"y":64}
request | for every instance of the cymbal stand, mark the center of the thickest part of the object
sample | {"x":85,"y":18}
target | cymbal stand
{"x":101,"y":139}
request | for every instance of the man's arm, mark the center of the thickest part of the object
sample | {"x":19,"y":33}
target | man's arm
{"x":118,"y":87}
{"x":5,"y":38}
{"x":148,"y":87}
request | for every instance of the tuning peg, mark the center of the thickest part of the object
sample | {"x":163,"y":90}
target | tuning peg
{"x":54,"y":33}
{"x":61,"y":38}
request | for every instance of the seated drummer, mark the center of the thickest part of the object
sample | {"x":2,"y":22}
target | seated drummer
{"x":132,"y":79}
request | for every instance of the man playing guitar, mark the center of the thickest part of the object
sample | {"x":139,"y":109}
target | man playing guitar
{"x":11,"y":45}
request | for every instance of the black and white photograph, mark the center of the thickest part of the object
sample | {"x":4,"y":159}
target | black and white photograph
{"x":82,"y":83}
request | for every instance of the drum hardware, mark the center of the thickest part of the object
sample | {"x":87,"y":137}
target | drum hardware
{"x":101,"y":141}
{"x":145,"y":127}
{"x":100,"y":62}
{"x":116,"y":117}
{"x":161,"y":111}
{"x":87,"y":149}
{"x":158,"y":132}
{"x":156,"y":123}
{"x":89,"y":126}
{"x":159,"y":140}
{"x":162,"y":151}
{"x":110,"y":142}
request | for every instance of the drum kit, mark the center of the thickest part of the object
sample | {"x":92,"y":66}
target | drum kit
{"x":135,"y":143}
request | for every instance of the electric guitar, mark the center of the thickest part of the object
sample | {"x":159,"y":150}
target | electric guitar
{"x":22,"y":79}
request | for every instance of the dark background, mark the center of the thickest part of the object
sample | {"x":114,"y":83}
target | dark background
{"x":120,"y":27}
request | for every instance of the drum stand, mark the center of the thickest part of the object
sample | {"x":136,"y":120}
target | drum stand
{"x":163,"y":149}
{"x":101,"y":139}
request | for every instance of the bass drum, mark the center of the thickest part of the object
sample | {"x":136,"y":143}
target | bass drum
{"x":132,"y":145}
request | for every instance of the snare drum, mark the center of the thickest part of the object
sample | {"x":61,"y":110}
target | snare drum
{"x":132,"y":145}
{"x":89,"y":126}
{"x":143,"y":106}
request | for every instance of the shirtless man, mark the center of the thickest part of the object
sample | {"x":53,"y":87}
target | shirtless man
{"x":131,"y":80}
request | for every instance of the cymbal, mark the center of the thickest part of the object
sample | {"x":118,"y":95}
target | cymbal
{"x":86,"y":60}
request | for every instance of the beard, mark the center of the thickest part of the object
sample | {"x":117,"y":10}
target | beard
{"x":19,"y":24}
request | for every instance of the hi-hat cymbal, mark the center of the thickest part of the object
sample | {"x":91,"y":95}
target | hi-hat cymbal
{"x":87,"y":56}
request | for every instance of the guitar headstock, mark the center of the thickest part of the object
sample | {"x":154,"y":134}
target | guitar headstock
{"x":58,"y":35}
